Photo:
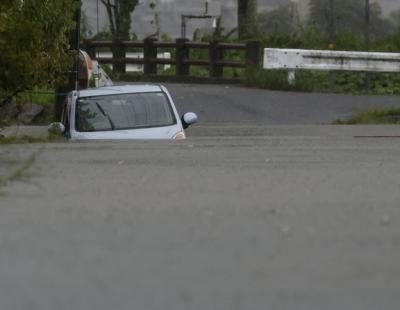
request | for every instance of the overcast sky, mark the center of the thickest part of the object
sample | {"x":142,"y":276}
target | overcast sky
{"x":170,"y":14}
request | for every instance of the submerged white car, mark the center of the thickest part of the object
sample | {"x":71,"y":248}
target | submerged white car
{"x":123,"y":112}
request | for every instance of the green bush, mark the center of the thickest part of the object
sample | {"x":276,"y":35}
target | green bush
{"x":322,"y":81}
{"x":374,"y":116}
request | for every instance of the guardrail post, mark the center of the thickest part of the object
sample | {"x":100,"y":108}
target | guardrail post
{"x":252,"y":56}
{"x":118,"y":54}
{"x":216,"y":55}
{"x":149,"y":53}
{"x":292,"y":77}
{"x":182,"y":54}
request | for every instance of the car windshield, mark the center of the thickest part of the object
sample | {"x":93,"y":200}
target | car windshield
{"x":125,"y":111}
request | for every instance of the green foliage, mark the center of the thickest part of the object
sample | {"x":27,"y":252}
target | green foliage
{"x":389,"y":43}
{"x":34,"y":44}
{"x":322,"y":81}
{"x":247,"y":19}
{"x":348,"y":28}
{"x":199,"y":71}
{"x":374,"y":116}
{"x":103,"y":36}
{"x":278,"y":80}
{"x":394,"y":19}
{"x":156,"y":20}
{"x":169,"y":72}
{"x":85,"y":28}
{"x":29,"y":139}
{"x":345,"y":16}
{"x":309,"y":38}
{"x":107,"y":69}
{"x":164,"y":37}
{"x":347,"y":40}
{"x":385,"y":84}
{"x":119,"y":17}
{"x":282,"y":20}
{"x":304,"y":38}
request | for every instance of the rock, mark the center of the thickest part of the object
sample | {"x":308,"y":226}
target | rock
{"x":29,"y":111}
{"x":9,"y":110}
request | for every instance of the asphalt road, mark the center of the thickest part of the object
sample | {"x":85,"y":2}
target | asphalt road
{"x":297,"y":219}
{"x":218,"y":103}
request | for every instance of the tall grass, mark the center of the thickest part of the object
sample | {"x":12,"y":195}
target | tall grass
{"x":374,"y":116}
{"x":323,"y":81}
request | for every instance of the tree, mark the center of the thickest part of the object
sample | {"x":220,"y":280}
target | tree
{"x":335,"y":16}
{"x":85,"y":29}
{"x":119,"y":17}
{"x":247,"y":19}
{"x":284,"y":19}
{"x":155,"y":21}
{"x":34,"y":44}
{"x":395,"y":19}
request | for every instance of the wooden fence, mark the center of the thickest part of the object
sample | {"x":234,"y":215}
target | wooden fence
{"x":182,"y":62}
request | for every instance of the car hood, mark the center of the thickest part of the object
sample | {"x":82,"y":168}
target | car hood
{"x":158,"y":133}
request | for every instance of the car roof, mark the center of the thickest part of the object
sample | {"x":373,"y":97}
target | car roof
{"x":120,"y":89}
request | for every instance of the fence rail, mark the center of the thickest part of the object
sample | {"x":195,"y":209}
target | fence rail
{"x":216,"y":61}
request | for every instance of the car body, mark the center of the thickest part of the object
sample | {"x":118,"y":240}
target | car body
{"x":123,"y":112}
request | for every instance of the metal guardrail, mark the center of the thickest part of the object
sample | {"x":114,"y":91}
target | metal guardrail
{"x":294,"y":59}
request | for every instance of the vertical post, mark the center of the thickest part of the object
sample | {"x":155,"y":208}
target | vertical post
{"x":183,"y":27}
{"x":216,"y":55}
{"x":118,"y":52}
{"x":73,"y":75}
{"x":253,"y":49}
{"x":332,"y":39}
{"x":332,"y":26}
{"x":367,"y":26}
{"x":367,"y":40}
{"x":149,"y":54}
{"x":77,"y":47}
{"x":292,"y":77}
{"x":246,"y":14}
{"x":182,"y":54}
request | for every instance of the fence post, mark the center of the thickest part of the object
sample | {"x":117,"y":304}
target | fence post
{"x":252,"y":56}
{"x":149,"y":53}
{"x":216,"y":55}
{"x":118,"y":54}
{"x":182,"y":54}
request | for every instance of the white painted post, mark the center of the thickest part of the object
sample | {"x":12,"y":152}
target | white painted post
{"x":292,"y":77}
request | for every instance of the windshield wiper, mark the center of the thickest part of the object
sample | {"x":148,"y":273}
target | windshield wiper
{"x":106,"y":115}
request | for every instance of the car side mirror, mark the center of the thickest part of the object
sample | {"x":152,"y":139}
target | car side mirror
{"x":188,"y":119}
{"x":56,"y":128}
